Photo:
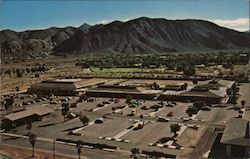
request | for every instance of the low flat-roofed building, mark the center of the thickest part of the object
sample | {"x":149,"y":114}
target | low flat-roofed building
{"x":212,"y":91}
{"x":122,"y":91}
{"x":236,"y":137}
{"x":29,"y":114}
{"x":66,"y":87}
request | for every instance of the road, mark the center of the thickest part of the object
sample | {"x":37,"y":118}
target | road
{"x":65,"y":150}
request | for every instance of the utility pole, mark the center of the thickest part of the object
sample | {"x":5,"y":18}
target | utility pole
{"x":54,"y":150}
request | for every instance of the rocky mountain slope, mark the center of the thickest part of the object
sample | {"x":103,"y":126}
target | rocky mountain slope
{"x":145,"y":35}
{"x":142,"y":35}
{"x":32,"y":43}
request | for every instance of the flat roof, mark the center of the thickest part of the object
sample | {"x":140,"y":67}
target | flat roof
{"x":67,"y":80}
{"x":35,"y":110}
{"x":235,"y":133}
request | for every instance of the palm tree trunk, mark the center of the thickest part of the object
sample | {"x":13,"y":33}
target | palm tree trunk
{"x":33,"y":151}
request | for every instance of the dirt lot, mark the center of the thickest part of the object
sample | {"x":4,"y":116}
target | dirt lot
{"x":20,"y":153}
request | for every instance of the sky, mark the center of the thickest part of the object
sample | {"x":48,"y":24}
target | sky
{"x":22,"y":15}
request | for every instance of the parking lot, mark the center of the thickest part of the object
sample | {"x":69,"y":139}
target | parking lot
{"x":120,"y":122}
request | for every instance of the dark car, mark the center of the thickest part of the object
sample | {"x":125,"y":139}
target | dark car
{"x":73,"y":105}
{"x":145,"y":107}
{"x":100,"y":105}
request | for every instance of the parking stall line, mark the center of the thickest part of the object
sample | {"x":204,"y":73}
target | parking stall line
{"x":81,"y":128}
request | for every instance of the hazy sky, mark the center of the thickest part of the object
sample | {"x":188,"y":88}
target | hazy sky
{"x":33,"y":14}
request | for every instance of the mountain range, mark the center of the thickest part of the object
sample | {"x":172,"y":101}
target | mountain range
{"x":141,"y":35}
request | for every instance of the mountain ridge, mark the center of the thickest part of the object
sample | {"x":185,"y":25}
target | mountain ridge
{"x":146,"y":35}
{"x":140,"y":35}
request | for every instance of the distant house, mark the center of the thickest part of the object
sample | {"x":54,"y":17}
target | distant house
{"x":236,"y":137}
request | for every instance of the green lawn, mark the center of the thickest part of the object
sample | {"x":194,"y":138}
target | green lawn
{"x":101,"y":70}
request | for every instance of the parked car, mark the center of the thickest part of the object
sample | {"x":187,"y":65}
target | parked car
{"x":73,"y":105}
{"x":26,"y":103}
{"x":100,"y":105}
{"x":240,"y":111}
{"x":206,"y":108}
{"x":106,"y":102}
{"x":186,"y":119}
{"x":53,"y":102}
{"x":161,"y":103}
{"x":117,"y":100}
{"x":99,"y":120}
{"x":156,"y":106}
{"x":90,"y":100}
{"x":174,"y":103}
{"x":140,"y":125}
{"x":170,"y":114}
{"x":169,"y":105}
{"x":64,"y":99}
{"x":38,"y":100}
{"x":239,"y":116}
{"x":163,"y":119}
{"x":133,"y":111}
{"x":145,"y":107}
{"x":44,"y":99}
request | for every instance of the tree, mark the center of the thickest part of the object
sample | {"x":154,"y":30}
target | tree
{"x":33,"y":69}
{"x":9,"y":103}
{"x":184,"y":86}
{"x":79,"y":149}
{"x":189,"y":112}
{"x":83,"y":97}
{"x":17,"y":89}
{"x":19,"y":73}
{"x":174,"y":128}
{"x":135,"y":152}
{"x":156,"y":86}
{"x":8,"y":71}
{"x":189,"y":71}
{"x":32,"y":140}
{"x":229,"y":91}
{"x":29,"y":126}
{"x":198,"y":104}
{"x":65,"y":110}
{"x":28,"y":70}
{"x":195,"y":81}
{"x":128,"y":99}
{"x":83,"y":118}
{"x":242,"y":102}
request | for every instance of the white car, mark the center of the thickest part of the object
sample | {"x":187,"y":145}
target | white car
{"x":163,"y":119}
{"x":99,"y":120}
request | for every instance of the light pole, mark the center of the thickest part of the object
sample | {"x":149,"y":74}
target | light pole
{"x":54,"y":149}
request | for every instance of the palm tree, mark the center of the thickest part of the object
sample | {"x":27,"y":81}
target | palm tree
{"x":32,"y":140}
{"x":189,"y":112}
{"x":243,"y":102}
{"x":65,"y":110}
{"x":9,"y":103}
{"x":79,"y":149}
{"x":17,"y":89}
{"x":83,"y":118}
{"x":174,"y":128}
{"x":135,"y":151}
{"x":128,"y":99}
{"x":29,"y":126}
